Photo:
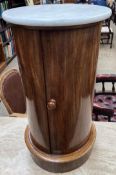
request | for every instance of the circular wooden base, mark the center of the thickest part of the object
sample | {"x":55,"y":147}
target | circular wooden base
{"x":61,"y":163}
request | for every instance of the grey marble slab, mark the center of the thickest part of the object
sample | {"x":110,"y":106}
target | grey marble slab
{"x":57,"y":15}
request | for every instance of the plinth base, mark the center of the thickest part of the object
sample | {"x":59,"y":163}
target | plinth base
{"x":61,"y":163}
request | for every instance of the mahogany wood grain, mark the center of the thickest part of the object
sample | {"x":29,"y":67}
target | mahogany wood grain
{"x":63,"y":162}
{"x":58,"y":68}
{"x":70,"y":58}
{"x":31,"y":67}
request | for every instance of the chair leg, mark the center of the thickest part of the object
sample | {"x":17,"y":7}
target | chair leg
{"x":96,"y":117}
{"x":112,"y":36}
{"x":108,"y":39}
{"x":109,"y":118}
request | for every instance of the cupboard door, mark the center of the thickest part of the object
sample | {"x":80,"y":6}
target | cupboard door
{"x":29,"y":51}
{"x":70,"y":58}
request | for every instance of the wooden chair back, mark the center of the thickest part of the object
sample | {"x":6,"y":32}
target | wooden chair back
{"x":12,"y":93}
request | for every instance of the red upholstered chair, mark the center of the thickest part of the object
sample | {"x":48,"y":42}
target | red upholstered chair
{"x":12,"y":93}
{"x":104,"y":106}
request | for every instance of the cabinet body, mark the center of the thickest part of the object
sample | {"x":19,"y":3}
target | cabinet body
{"x":58,"y":64}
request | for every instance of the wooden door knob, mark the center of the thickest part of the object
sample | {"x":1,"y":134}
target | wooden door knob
{"x":51,"y":104}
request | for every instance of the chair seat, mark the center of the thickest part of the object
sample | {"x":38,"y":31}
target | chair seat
{"x":106,"y":101}
{"x":106,"y":29}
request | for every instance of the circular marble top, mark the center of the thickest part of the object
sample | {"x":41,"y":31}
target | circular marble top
{"x":56,"y":15}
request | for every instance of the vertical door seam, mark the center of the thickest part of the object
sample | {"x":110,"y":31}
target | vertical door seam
{"x":42,"y":51}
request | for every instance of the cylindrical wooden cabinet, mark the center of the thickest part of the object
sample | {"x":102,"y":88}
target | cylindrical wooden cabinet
{"x":57,"y":47}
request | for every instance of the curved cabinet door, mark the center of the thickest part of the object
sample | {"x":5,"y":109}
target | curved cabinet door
{"x":28,"y":44}
{"x":70,"y":58}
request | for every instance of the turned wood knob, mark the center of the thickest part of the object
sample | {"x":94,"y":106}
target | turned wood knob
{"x":51,"y":104}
